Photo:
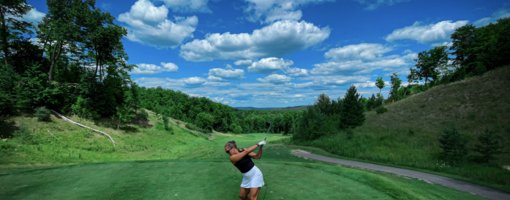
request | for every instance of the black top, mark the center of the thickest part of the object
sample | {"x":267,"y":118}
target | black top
{"x":245,"y":164}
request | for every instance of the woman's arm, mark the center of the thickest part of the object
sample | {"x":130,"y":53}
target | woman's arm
{"x":258,"y":155}
{"x":236,"y":157}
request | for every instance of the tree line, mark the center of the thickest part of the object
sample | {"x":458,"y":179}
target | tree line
{"x":72,"y":62}
{"x":473,"y":51}
{"x":207,"y":115}
{"x":328,"y":116}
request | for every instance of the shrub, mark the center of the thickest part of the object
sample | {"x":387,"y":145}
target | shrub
{"x":141,"y":118}
{"x":43,"y":114}
{"x":453,"y":145}
{"x":488,"y":146}
{"x":381,"y":110}
{"x":165,"y":124}
{"x":196,"y":128}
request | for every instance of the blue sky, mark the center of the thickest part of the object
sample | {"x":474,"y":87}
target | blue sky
{"x":277,"y":53}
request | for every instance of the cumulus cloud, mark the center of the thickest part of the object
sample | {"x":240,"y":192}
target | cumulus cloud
{"x":500,"y":14}
{"x":365,"y":51}
{"x":374,"y":4}
{"x":186,"y":6}
{"x":430,"y":33}
{"x":148,"y":24}
{"x":193,"y":81}
{"x":219,"y":74}
{"x":33,"y":16}
{"x":144,"y":68}
{"x":333,"y":80}
{"x":271,"y":64}
{"x":361,"y":59}
{"x":277,"y":39}
{"x":267,"y":11}
{"x":296,"y":72}
{"x":243,"y":62}
{"x":275,"y":79}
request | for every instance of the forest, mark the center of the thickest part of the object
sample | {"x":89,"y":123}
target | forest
{"x":74,"y":63}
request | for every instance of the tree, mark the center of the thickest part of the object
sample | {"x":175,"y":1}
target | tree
{"x":453,"y":145}
{"x":11,"y":26}
{"x":413,"y":76}
{"x":204,"y":120}
{"x":395,"y":86}
{"x":429,"y":61}
{"x":379,"y":82}
{"x":323,"y":104}
{"x":352,"y":113}
{"x":463,"y":40}
{"x":488,"y":146}
{"x":58,"y":31}
{"x":7,"y":82}
{"x":313,"y":124}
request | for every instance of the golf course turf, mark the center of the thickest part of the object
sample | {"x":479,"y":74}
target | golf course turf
{"x":206,"y":173}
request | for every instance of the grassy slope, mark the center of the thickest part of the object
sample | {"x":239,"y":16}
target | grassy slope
{"x":189,"y":167}
{"x":60,"y":142}
{"x":408,"y":133}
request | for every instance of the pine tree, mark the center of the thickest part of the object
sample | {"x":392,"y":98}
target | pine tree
{"x":488,"y":146}
{"x":352,"y":113}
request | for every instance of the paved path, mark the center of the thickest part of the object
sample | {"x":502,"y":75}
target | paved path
{"x":429,"y":178}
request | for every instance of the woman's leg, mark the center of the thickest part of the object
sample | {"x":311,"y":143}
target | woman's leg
{"x":254,"y":193}
{"x":243,"y":194}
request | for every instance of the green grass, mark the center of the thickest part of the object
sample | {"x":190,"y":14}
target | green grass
{"x":57,"y":160}
{"x":407,"y":135}
{"x":211,"y":176}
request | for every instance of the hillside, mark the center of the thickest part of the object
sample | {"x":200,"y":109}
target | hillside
{"x":33,"y":142}
{"x":473,"y":105}
{"x":407,"y":134}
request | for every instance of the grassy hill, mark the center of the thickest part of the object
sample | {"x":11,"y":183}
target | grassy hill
{"x":407,"y":134}
{"x":35,"y":142}
{"x":153,"y":163}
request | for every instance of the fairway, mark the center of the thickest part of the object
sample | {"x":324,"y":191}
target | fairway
{"x":206,"y":173}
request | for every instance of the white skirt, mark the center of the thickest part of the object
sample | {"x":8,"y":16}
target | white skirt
{"x":253,"y":178}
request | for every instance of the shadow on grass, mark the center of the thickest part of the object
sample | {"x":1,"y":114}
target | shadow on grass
{"x":8,"y":128}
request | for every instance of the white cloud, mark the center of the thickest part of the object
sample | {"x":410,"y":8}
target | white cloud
{"x":277,"y":39}
{"x":333,"y":80}
{"x":275,"y":79}
{"x":500,"y":14}
{"x":268,"y":11}
{"x":430,"y":33}
{"x":360,"y":66}
{"x":271,"y":64}
{"x":193,"y":81}
{"x":361,"y":59}
{"x":148,"y":24}
{"x":219,"y":74}
{"x":186,"y":6}
{"x":33,"y":16}
{"x":374,"y":4}
{"x":296,"y":72}
{"x":144,"y":68}
{"x":171,"y":67}
{"x":364,"y":51}
{"x":243,"y":62}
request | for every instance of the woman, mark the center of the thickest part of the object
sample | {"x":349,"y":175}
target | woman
{"x":252,"y":176}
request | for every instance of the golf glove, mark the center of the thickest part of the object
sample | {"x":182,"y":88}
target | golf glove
{"x":262,"y":143}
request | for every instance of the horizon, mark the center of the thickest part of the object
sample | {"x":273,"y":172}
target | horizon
{"x":277,"y":54}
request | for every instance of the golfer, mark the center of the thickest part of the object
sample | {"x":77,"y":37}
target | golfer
{"x":252,"y":176}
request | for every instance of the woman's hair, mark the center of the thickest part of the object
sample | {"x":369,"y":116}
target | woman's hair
{"x":231,"y":144}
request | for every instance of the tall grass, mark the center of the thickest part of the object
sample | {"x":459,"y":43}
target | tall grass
{"x":407,"y":134}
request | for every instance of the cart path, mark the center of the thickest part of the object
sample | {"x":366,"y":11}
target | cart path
{"x":429,"y":178}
